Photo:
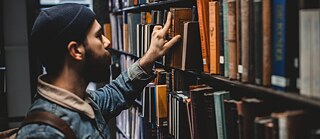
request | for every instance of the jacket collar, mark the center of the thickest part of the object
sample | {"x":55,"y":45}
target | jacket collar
{"x":65,"y":98}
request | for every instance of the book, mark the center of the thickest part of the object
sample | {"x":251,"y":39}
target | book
{"x":245,"y":39}
{"x":232,"y":40}
{"x":238,"y":28}
{"x":221,"y":39}
{"x":231,"y":118}
{"x":202,"y":110}
{"x":161,"y":105}
{"x":125,"y":33}
{"x":266,"y":42}
{"x":225,"y":36}
{"x":120,"y":32}
{"x":179,"y":17}
{"x":203,"y":11}
{"x":114,"y":32}
{"x":285,"y":67}
{"x":260,"y":127}
{"x":309,"y":46}
{"x":191,"y":47}
{"x":293,"y":124}
{"x":133,"y":20}
{"x":219,"y":98}
{"x":214,"y":40}
{"x":257,"y":25}
{"x":107,"y":31}
{"x":251,"y":108}
{"x":179,"y":124}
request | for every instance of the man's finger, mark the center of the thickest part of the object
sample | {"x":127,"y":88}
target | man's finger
{"x":172,"y":41}
{"x":167,"y":25}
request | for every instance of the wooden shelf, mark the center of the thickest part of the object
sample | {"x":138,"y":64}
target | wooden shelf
{"x":260,"y":90}
{"x":156,"y":5}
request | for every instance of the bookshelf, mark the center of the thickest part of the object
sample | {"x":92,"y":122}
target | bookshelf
{"x":279,"y":98}
{"x":254,"y":90}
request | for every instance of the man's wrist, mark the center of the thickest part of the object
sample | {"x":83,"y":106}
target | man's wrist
{"x":146,"y":63}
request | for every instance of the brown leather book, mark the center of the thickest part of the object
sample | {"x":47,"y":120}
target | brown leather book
{"x":238,"y":27}
{"x":179,"y":17}
{"x":232,"y":39}
{"x":203,"y":112}
{"x":252,"y":108}
{"x":214,"y":38}
{"x":245,"y":42}
{"x":266,"y":42}
{"x":191,"y":48}
{"x":203,"y":11}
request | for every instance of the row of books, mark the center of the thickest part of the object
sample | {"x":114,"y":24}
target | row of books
{"x":205,"y":113}
{"x":130,"y":124}
{"x":148,"y":115}
{"x":257,"y":41}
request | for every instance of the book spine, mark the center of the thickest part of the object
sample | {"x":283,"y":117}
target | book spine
{"x":251,"y":43}
{"x":285,"y":49}
{"x":221,"y":39}
{"x":266,"y":52}
{"x":214,"y":37}
{"x":238,"y":28}
{"x":219,"y":98}
{"x":202,"y":15}
{"x":245,"y":40}
{"x":305,"y":53}
{"x":125,"y":33}
{"x":315,"y":44}
{"x":232,"y":39}
{"x":258,"y":41}
{"x":225,"y":36}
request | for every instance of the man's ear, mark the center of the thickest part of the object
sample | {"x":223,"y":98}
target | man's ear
{"x":76,"y":50}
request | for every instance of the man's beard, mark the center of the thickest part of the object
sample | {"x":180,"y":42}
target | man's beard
{"x":96,"y":68}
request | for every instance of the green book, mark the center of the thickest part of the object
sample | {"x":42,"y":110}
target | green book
{"x":219,"y":98}
{"x":225,"y":29}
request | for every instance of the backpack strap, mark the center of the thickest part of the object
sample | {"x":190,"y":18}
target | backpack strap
{"x":43,"y":117}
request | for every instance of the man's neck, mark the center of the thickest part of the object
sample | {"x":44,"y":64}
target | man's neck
{"x":70,"y":81}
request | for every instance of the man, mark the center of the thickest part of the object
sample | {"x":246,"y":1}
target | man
{"x":71,"y":46}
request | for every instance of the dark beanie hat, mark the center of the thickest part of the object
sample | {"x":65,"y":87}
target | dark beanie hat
{"x":56,"y":26}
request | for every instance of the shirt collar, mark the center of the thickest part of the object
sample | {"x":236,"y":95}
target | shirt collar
{"x":65,"y":98}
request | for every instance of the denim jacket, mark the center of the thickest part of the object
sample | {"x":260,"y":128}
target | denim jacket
{"x":87,"y":117}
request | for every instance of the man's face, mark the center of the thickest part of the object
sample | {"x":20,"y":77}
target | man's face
{"x":97,"y":58}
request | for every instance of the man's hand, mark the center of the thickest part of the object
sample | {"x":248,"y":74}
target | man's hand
{"x":159,"y":46}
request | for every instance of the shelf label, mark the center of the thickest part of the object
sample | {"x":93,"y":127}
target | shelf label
{"x":240,"y":69}
{"x":204,"y":61}
{"x":279,"y":81}
{"x":221,"y":60}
